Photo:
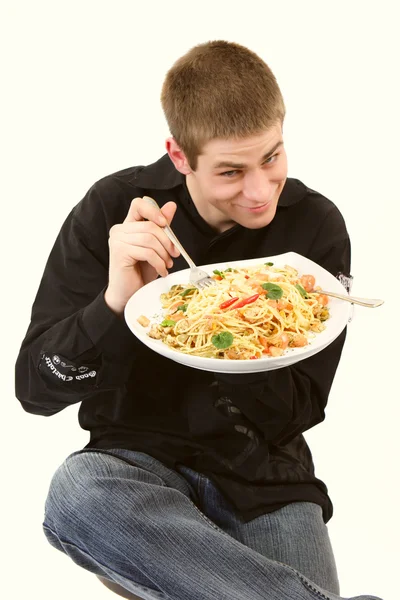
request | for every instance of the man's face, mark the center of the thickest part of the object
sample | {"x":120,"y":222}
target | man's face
{"x":240,"y":181}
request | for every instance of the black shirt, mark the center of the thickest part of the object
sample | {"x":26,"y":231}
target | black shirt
{"x":242,"y":431}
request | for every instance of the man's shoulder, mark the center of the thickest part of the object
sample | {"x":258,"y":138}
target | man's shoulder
{"x":110,"y":196}
{"x":309,"y":202}
{"x":117,"y":182}
{"x":296,"y":191}
{"x":160,"y":174}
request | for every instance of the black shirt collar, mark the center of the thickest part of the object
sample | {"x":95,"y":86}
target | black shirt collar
{"x":160,"y":175}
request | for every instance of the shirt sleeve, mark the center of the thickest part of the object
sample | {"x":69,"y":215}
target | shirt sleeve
{"x":75,"y":345}
{"x":284,"y":403}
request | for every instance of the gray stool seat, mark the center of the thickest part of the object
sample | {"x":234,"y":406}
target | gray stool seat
{"x":117,"y":589}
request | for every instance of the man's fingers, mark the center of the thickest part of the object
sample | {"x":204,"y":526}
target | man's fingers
{"x":147,"y":255}
{"x":140,"y":210}
{"x":144,"y":227}
{"x":148,"y":241}
{"x":133,"y":214}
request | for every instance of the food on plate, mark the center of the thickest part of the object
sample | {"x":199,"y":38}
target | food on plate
{"x":250,"y":313}
{"x":144,"y":321}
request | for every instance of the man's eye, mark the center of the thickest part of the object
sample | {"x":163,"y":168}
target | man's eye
{"x":271,"y":159}
{"x":229,"y":173}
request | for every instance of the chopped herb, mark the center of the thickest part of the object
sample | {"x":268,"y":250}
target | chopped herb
{"x":222,"y":340}
{"x":219,"y":273}
{"x":269,"y":264}
{"x":186,"y":292}
{"x":228,"y":270}
{"x":301,"y":290}
{"x":168,"y":323}
{"x":274,"y":292}
{"x":182,"y":307}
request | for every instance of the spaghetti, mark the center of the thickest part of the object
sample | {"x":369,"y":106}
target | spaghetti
{"x":249,"y":313}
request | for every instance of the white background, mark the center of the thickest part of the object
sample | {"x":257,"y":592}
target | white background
{"x":80,"y":98}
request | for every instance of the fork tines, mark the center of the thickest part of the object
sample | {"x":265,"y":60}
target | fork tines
{"x":204,"y":283}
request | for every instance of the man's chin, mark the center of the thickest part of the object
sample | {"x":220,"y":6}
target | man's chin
{"x":257,"y":221}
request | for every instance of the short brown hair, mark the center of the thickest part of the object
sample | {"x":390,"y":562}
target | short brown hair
{"x":219,"y":90}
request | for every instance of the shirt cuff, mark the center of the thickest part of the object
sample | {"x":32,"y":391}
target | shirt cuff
{"x":108,"y":332}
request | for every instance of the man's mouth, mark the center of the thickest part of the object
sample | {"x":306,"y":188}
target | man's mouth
{"x":257,"y":208}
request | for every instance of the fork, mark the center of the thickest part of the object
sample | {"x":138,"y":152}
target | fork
{"x":199,"y":278}
{"x":370,"y":302}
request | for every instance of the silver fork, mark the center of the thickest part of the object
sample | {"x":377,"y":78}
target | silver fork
{"x":370,"y":302}
{"x":199,"y":278}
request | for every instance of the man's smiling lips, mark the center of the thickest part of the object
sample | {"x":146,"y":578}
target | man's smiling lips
{"x":258,"y":208}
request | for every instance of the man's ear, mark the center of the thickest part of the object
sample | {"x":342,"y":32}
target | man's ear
{"x":177,"y":156}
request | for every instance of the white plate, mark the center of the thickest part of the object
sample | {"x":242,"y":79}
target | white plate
{"x":146,"y":301}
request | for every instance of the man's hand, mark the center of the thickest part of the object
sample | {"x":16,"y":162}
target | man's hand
{"x":139,"y":251}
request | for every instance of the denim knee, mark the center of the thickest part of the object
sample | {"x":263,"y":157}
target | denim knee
{"x":63,"y":499}
{"x":89,"y":483}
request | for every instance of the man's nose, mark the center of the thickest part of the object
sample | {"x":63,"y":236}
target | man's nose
{"x":256,"y":187}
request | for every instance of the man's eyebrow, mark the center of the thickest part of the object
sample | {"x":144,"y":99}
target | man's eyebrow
{"x":232,"y":165}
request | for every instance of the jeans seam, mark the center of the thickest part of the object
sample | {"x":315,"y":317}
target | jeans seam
{"x":160,"y":595}
{"x":302,"y":579}
{"x":309,"y":585}
{"x":209,"y":522}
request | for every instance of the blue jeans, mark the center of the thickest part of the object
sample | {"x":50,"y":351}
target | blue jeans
{"x":170,"y":534}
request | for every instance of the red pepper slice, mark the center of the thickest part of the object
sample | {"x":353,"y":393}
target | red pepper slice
{"x":228,"y":302}
{"x":245,"y":301}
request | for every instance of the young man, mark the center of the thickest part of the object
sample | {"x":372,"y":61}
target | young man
{"x":194,"y":484}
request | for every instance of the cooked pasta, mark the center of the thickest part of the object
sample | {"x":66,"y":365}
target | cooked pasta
{"x":249,"y":313}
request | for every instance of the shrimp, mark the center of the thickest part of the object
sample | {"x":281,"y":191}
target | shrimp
{"x":272,"y":303}
{"x":251,"y":315}
{"x":299,"y":340}
{"x":274,"y":351}
{"x":322,"y":299}
{"x":284,"y":305}
{"x":308,"y":282}
{"x":175,"y":305}
{"x":177,"y":316}
{"x":282,"y":341}
{"x":264,"y":343}
{"x":233,"y":354}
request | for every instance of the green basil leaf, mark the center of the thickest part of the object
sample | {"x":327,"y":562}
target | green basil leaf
{"x":301,"y":290}
{"x":220,"y":273}
{"x":274,"y":292}
{"x":269,"y":264}
{"x":182,"y":307}
{"x":168,"y":323}
{"x":186,"y":292}
{"x":222,"y":340}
